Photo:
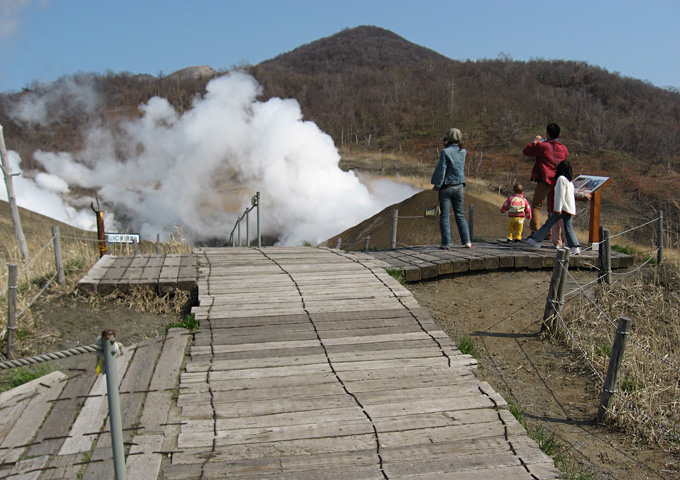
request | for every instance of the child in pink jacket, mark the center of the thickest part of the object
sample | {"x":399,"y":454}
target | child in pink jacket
{"x":518,"y":209}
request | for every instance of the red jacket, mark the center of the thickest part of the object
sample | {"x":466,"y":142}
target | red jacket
{"x":546,"y":162}
{"x":517,"y":206}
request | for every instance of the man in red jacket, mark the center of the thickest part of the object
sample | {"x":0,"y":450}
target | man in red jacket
{"x":548,"y":154}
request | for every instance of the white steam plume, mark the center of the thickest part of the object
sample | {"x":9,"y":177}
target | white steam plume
{"x":199,"y":170}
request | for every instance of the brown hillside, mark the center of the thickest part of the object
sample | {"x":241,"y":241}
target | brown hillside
{"x":489,"y":223}
{"x":37,"y":230}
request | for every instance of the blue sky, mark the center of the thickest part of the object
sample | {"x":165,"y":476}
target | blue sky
{"x":45,"y":39}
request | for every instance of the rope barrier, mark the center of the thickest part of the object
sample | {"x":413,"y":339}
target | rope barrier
{"x":23,"y":362}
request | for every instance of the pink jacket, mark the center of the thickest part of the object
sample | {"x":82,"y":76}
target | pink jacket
{"x":517,"y":206}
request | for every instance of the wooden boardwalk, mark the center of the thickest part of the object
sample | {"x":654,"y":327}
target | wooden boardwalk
{"x":55,"y":427}
{"x":309,"y":363}
{"x":429,"y":261}
{"x":316,"y":364}
{"x":163,"y":273}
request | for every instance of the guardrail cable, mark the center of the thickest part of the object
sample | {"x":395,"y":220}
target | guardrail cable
{"x":46,"y":357}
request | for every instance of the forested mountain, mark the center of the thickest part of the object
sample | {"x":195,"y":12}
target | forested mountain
{"x":371,"y":89}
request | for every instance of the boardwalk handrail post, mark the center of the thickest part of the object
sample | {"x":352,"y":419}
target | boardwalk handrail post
{"x":238,"y":232}
{"x":338,"y":243}
{"x":609,"y":387}
{"x":11,"y":308}
{"x":366,"y":242}
{"x":158,"y":244}
{"x":257,"y":203}
{"x":109,"y":351}
{"x":248,"y":228}
{"x":605,"y":257}
{"x":395,"y":217}
{"x":471,"y":221}
{"x":58,"y":263}
{"x":552,"y":301}
{"x":659,"y":228}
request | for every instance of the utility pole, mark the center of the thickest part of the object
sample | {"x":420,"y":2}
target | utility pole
{"x":14,"y":210}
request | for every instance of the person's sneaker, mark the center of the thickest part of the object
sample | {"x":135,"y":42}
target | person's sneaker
{"x":533,"y":242}
{"x":445,"y":247}
{"x":468,"y":245}
{"x":575,"y":251}
{"x":509,"y":240}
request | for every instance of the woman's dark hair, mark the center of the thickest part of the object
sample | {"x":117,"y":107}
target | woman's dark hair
{"x":564,"y":170}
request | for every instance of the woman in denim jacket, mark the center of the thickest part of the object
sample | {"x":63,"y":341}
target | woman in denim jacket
{"x":449,"y":180}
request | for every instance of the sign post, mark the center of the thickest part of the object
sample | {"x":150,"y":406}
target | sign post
{"x":592,"y":185}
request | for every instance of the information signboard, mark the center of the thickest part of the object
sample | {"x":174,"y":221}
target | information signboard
{"x":122,"y":237}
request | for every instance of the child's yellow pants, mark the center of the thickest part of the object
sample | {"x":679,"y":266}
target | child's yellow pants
{"x":515,"y":228}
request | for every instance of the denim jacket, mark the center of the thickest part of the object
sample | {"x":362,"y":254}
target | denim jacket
{"x":451,"y":167}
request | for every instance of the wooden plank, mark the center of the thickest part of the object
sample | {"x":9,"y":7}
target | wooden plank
{"x":136,"y":379}
{"x":27,"y":423}
{"x":92,"y":415}
{"x":157,"y":403}
{"x":144,"y":458}
{"x":52,"y":433}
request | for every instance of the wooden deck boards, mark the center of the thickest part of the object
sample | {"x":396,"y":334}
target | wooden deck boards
{"x":314,"y":363}
{"x":309,"y":363}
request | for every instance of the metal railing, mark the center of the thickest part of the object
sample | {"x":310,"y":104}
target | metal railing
{"x":236,"y":242}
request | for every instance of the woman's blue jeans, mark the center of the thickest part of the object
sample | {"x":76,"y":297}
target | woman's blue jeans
{"x":542,"y":232}
{"x":453,"y":197}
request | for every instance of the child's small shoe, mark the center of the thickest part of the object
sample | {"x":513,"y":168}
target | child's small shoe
{"x":575,"y":251}
{"x":509,"y":240}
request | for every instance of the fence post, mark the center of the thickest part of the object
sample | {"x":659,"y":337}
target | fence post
{"x":395,"y":217}
{"x":605,"y":257}
{"x":56,"y":241}
{"x":136,"y":246}
{"x":338,"y":242}
{"x":366,"y":242}
{"x":158,"y":243}
{"x":659,"y":228}
{"x":618,"y":347}
{"x":257,"y":202}
{"x":109,"y":352}
{"x":471,"y":221}
{"x":247,"y":228}
{"x":553,"y":301}
{"x":11,"y":308}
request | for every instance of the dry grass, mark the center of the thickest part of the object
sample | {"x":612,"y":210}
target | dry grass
{"x":38,"y":276}
{"x":649,"y":380}
{"x":79,"y":254}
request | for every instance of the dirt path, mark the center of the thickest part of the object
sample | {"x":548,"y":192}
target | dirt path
{"x":501,"y":312}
